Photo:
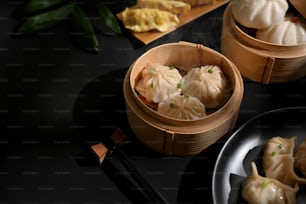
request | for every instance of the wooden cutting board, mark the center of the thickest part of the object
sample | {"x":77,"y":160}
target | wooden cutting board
{"x":300,"y":5}
{"x":195,"y":12}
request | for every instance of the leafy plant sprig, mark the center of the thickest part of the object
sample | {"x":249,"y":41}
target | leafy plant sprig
{"x":44,"y":14}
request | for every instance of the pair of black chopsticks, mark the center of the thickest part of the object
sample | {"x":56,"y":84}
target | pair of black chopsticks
{"x":145,"y":192}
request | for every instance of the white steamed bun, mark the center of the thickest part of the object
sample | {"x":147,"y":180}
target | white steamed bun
{"x":259,"y":13}
{"x":291,"y":31}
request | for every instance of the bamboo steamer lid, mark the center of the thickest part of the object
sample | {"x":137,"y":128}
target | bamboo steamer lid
{"x":258,"y":60}
{"x":171,"y":136}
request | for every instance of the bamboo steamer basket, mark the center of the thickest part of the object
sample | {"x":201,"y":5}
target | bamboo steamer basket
{"x":170,"y":136}
{"x":261,"y":61}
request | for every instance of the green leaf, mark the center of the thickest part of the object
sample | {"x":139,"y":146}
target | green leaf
{"x":37,"y":5}
{"x":84,"y":32}
{"x":45,"y":20}
{"x":106,"y":15}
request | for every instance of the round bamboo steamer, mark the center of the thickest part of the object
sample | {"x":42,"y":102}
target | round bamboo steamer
{"x":171,"y":136}
{"x":258,"y":60}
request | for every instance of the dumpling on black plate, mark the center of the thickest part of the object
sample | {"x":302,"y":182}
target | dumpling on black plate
{"x":278,"y":160}
{"x":257,"y":189}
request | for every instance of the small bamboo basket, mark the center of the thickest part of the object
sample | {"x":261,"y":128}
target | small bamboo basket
{"x":171,"y":136}
{"x":258,"y":60}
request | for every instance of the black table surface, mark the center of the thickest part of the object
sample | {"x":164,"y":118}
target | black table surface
{"x":56,"y":100}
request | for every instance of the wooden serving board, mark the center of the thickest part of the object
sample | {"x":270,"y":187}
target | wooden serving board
{"x":195,"y":12}
{"x":300,"y":6}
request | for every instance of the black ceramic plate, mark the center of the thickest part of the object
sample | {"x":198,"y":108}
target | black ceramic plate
{"x":246,"y":144}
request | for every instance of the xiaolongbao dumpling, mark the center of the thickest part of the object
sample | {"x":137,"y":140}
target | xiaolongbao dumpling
{"x":257,"y":189}
{"x":159,"y":82}
{"x":182,"y":107}
{"x":259,"y":13}
{"x":278,"y":160}
{"x":300,"y":158}
{"x":290,"y":31}
{"x":207,"y":83}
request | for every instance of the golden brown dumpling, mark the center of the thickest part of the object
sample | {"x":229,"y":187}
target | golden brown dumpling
{"x":175,"y":7}
{"x":278,"y":160}
{"x":257,"y":189}
{"x":148,"y":19}
{"x":300,"y":158}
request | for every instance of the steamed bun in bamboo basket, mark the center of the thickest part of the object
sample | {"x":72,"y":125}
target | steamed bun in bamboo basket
{"x":259,"y":13}
{"x":265,"y":59}
{"x":173,"y":135}
{"x":290,"y":31}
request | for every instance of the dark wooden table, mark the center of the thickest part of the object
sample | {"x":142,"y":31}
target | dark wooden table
{"x":56,"y":100}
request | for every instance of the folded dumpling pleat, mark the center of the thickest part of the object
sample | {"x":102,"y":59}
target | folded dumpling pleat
{"x":258,"y":189}
{"x":278,"y":160}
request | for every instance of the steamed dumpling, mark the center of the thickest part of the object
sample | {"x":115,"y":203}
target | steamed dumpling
{"x":259,"y":13}
{"x":159,"y":82}
{"x":278,"y":160}
{"x":182,"y":107}
{"x":207,"y":83}
{"x":300,"y":158}
{"x":257,"y":189}
{"x":290,"y":31}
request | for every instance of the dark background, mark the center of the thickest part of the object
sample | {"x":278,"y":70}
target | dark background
{"x":56,"y":100}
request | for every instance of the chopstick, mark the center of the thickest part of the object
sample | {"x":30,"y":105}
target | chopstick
{"x":149,"y":190}
{"x":127,"y":185}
